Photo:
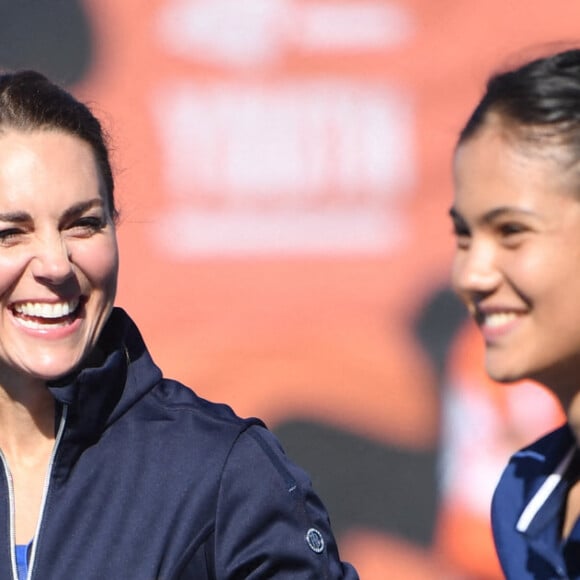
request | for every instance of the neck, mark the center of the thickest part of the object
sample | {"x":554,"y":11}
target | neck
{"x":26,"y":419}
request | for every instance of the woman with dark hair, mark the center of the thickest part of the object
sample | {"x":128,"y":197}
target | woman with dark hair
{"x":108,"y":469}
{"x":516,"y":215}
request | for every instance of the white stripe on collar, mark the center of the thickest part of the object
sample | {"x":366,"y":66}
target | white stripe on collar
{"x":539,"y":499}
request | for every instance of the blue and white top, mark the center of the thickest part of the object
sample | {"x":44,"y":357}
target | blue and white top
{"x":22,"y":552}
{"x":528,"y":510}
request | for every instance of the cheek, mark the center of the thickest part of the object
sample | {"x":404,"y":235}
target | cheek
{"x":544,"y":277}
{"x":12,"y":266}
{"x":99,"y":262}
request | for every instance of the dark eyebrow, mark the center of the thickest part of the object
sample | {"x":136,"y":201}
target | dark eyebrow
{"x":81,"y":207}
{"x":19,"y":217}
{"x":455,"y":215}
{"x":505,"y":210}
{"x":493,"y":214}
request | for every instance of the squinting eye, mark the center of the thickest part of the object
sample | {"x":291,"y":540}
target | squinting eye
{"x":460,"y":231}
{"x":9,"y":235}
{"x":88,"y":225}
{"x":510,"y":228}
{"x":462,"y":236}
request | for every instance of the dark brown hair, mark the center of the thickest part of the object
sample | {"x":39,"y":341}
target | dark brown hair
{"x":539,"y":100}
{"x":29,"y":101}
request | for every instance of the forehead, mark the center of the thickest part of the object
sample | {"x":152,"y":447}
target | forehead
{"x":41,"y":165}
{"x":494,"y":166}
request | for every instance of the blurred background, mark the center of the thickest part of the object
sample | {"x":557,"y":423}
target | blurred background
{"x":283,"y":173}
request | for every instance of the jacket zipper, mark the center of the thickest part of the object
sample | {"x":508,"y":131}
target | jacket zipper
{"x":10,"y":482}
{"x":44,"y":497}
{"x":11,"y":509}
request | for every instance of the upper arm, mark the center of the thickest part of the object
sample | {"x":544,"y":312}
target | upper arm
{"x":269,"y":521}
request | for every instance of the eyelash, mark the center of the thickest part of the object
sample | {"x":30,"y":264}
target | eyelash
{"x":86,"y":225}
{"x":508,"y":232}
{"x":90,"y":221}
{"x":511,"y":229}
{"x":8,"y":234}
{"x":460,"y":230}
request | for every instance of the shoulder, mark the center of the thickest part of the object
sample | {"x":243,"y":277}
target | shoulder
{"x":193,"y":416}
{"x":527,"y":469}
{"x":525,"y":472}
{"x":524,"y":475}
{"x":268,"y":512}
{"x":530,"y":465}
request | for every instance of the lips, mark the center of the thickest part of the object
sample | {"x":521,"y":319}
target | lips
{"x":496,"y":322}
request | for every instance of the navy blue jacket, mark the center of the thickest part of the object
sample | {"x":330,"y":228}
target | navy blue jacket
{"x":527,"y":509}
{"x":151,"y":482}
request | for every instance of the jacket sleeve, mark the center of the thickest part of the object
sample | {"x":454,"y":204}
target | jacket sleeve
{"x":269,"y":522}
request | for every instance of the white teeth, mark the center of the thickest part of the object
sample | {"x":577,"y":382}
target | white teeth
{"x":499,"y":318}
{"x":46,"y":310}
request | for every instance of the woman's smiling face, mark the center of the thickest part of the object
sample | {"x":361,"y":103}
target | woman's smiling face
{"x":517,"y":262}
{"x":58,"y":254}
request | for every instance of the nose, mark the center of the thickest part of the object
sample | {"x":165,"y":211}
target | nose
{"x":476,"y":271}
{"x":51,"y":263}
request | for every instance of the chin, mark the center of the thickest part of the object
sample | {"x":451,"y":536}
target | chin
{"x":509,"y":366}
{"x":502,"y":375}
{"x":54,"y":370}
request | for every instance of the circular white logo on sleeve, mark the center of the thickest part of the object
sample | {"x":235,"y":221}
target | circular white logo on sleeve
{"x":315,"y":540}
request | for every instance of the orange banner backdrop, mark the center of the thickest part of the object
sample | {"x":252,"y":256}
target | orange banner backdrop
{"x":283,"y":171}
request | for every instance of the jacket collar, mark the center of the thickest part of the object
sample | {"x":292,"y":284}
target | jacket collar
{"x":545,"y":506}
{"x":526,"y":510}
{"x":120,"y":374}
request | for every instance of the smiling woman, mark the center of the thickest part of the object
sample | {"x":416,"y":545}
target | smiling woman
{"x":96,"y":445}
{"x":58,"y":253}
{"x":516,"y":215}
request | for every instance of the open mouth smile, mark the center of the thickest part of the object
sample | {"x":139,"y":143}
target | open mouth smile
{"x":40,"y":315}
{"x":497,"y":319}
